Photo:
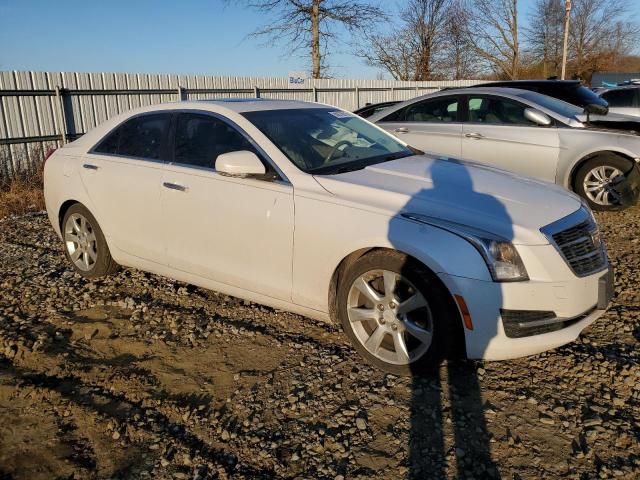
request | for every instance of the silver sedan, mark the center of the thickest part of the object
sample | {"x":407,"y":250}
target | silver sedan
{"x":522,"y":131}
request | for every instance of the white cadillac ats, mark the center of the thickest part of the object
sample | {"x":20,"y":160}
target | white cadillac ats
{"x":311,"y":209}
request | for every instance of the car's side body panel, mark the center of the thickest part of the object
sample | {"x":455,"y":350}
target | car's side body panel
{"x":234,"y":230}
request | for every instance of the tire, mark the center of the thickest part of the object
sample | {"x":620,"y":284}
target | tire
{"x":595,"y":177}
{"x":361,"y":317}
{"x":84,"y":244}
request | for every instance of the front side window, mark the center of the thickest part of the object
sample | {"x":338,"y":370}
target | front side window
{"x":201,"y":138}
{"x":436,"y":110}
{"x":497,"y":111}
{"x":620,"y":98}
{"x":141,"y":137}
{"x":327,"y":141}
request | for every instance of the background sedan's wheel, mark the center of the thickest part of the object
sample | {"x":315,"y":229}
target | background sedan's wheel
{"x":596,"y":180}
{"x":84,"y":243}
{"x":396,"y":313}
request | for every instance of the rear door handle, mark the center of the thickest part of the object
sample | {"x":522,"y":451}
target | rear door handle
{"x":174,"y":186}
{"x":90,"y":166}
{"x":401,"y":130}
{"x":475,"y":136}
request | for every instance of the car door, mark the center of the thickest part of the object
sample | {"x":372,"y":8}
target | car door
{"x":497,"y":133}
{"x":122,"y":175}
{"x":237,"y":231}
{"x":432,"y":125}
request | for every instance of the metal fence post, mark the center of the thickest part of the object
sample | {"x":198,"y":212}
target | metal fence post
{"x":357,"y":97}
{"x":62,"y":115}
{"x":181,"y":94}
{"x":315,"y":94}
{"x":393,"y":93}
{"x":256,"y":92}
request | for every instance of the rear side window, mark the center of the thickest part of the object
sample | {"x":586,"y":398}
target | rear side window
{"x":143,"y":137}
{"x":620,"y":98}
{"x":497,"y":111}
{"x":435,"y":110}
{"x":201,"y":138}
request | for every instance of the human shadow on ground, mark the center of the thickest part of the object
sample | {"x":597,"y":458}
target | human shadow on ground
{"x":448,"y":432}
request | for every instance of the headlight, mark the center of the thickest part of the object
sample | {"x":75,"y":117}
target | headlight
{"x":501,"y":257}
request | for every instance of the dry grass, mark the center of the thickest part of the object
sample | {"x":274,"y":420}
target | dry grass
{"x":22,"y":195}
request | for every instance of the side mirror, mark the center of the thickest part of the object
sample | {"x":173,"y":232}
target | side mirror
{"x":239,"y":164}
{"x":537,"y":117}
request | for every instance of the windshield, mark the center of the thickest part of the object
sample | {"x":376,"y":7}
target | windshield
{"x":327,"y":141}
{"x":555,"y":105}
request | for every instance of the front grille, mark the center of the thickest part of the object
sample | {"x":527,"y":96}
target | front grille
{"x":579,"y":244}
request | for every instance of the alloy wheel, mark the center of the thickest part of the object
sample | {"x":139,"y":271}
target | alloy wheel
{"x":599,"y":185}
{"x":390,"y":317}
{"x":80,"y":241}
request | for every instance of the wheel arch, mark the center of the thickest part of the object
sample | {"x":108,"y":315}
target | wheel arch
{"x":585,"y":158}
{"x":64,"y":208}
{"x":459,"y":344}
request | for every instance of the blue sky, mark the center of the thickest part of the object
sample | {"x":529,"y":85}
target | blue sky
{"x":151,"y":36}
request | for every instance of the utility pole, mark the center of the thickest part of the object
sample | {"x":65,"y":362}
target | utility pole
{"x":567,"y":15}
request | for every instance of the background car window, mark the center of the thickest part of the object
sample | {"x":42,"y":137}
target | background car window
{"x":142,"y":137}
{"x":432,"y":110}
{"x":620,"y":98}
{"x":493,"y":110}
{"x":201,"y":138}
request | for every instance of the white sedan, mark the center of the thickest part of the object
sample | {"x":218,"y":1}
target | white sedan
{"x":311,"y":209}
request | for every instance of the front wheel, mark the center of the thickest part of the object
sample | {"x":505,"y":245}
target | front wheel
{"x":597,"y":178}
{"x":396,"y":313}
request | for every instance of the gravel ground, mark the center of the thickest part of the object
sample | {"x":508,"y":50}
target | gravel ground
{"x":138,"y":376}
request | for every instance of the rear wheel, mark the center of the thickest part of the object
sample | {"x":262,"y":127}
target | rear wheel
{"x":85,"y":245}
{"x":597,"y":178}
{"x":396,"y":313}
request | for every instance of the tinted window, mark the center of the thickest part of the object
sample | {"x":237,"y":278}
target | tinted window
{"x":201,"y":138}
{"x":492,"y":110}
{"x":110,"y":143}
{"x":142,"y":137}
{"x":432,"y":110}
{"x":620,"y":98}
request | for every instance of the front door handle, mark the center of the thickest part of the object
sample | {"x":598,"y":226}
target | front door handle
{"x":401,"y":130}
{"x":174,"y":186}
{"x":90,"y":166}
{"x":475,"y":136}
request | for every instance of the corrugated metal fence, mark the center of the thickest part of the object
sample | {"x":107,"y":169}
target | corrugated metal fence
{"x":43,"y":109}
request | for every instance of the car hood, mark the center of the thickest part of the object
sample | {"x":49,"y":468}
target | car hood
{"x":618,"y":122}
{"x":466,"y":193}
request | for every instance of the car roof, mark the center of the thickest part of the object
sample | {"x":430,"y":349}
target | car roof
{"x":536,"y":83}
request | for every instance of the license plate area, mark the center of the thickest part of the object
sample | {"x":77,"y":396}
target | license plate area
{"x":605,"y":289}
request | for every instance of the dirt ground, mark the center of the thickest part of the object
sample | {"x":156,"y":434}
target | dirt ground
{"x":138,"y":376}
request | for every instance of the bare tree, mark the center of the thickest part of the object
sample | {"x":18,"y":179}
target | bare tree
{"x":600,"y":33}
{"x":459,"y":59}
{"x":413,"y":48}
{"x":544,"y":35}
{"x":493,"y":32}
{"x":309,"y":25}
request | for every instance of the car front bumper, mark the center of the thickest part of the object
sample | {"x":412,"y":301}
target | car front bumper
{"x":576,"y":303}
